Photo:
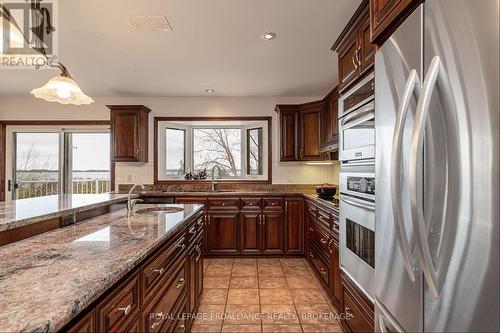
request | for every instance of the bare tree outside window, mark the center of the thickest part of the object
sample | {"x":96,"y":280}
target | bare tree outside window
{"x":217,"y":146}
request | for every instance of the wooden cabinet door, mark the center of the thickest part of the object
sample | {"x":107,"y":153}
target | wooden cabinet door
{"x":288,"y":135}
{"x":385,"y":15}
{"x":124,"y":135}
{"x":367,"y":50}
{"x":223,"y":232}
{"x":195,"y":261}
{"x":272,"y":232}
{"x":250,"y":232}
{"x":294,"y":226}
{"x":330,"y":118}
{"x":336,"y":283}
{"x":310,"y":134}
{"x":348,"y":66}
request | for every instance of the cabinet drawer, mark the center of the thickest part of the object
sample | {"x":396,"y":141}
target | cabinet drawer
{"x":159,"y":267}
{"x":356,"y":320}
{"x":320,"y":236}
{"x":319,"y":264}
{"x":324,"y":218}
{"x":195,"y":229}
{"x":224,"y":203}
{"x":251,"y":203}
{"x":85,"y":325}
{"x":157,"y":316}
{"x":119,"y":308}
{"x":273,"y":203}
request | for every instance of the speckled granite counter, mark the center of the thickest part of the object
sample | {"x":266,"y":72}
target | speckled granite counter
{"x":47,"y":279}
{"x":325,"y":203}
{"x":23,"y":212}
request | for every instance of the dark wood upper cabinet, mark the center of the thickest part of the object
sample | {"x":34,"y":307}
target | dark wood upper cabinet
{"x":310,"y":131}
{"x":301,"y":131}
{"x":356,"y":53}
{"x":331,"y":119}
{"x":387,"y":15}
{"x":289,"y":122}
{"x":129,"y":133}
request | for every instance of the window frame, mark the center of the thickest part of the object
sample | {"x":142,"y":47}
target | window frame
{"x":160,"y":123}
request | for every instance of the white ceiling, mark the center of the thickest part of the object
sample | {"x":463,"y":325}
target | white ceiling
{"x":214,"y":44}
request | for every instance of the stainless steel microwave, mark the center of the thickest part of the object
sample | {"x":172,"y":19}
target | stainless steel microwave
{"x":357,"y":122}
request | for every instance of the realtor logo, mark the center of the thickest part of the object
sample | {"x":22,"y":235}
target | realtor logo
{"x":29,"y":34}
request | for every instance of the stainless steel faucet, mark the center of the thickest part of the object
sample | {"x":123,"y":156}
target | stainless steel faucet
{"x":215,"y":183}
{"x":131,"y":202}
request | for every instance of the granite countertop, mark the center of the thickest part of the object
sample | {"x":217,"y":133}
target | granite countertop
{"x":325,"y":203}
{"x":18,"y":213}
{"x":218,"y":193}
{"x":46,"y":280}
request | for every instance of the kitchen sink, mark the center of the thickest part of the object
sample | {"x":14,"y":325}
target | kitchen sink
{"x":152,"y":210}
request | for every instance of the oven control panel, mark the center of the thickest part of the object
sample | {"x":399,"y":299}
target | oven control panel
{"x":361,"y":185}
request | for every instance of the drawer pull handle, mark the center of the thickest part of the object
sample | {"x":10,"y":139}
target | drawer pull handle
{"x":330,"y":246}
{"x":200,"y":222}
{"x":160,"y":271}
{"x":182,"y":328}
{"x":180,"y":283}
{"x":323,"y":241}
{"x":311,"y":229}
{"x":199,"y":253}
{"x":153,"y":326}
{"x":311,"y":255}
{"x":322,"y":270}
{"x":192,"y":230}
{"x":126,"y":310}
{"x":182,"y":246}
{"x":348,"y":312}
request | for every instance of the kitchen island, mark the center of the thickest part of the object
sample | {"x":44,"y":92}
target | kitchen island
{"x":87,"y":270}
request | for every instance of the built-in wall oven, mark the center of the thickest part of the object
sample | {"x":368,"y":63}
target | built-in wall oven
{"x":357,"y":224}
{"x":357,"y":121}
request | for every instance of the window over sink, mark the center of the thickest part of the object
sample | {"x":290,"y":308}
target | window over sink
{"x":189,"y":148}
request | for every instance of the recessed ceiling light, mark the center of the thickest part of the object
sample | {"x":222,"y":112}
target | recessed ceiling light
{"x":268,"y":36}
{"x":210,"y":90}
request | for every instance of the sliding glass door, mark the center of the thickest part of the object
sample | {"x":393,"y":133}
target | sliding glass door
{"x":36,"y":168}
{"x":49,"y":161}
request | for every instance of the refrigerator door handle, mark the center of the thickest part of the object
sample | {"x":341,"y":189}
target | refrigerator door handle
{"x":412,"y":88}
{"x":386,"y":322}
{"x":422,"y":113}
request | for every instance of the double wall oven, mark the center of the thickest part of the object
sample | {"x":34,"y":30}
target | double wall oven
{"x":357,"y":184}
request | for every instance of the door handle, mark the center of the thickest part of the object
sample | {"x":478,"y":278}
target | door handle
{"x":422,"y":113}
{"x":412,"y":87}
{"x":358,"y":203}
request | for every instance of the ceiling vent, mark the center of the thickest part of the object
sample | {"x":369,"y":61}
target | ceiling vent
{"x":150,"y":23}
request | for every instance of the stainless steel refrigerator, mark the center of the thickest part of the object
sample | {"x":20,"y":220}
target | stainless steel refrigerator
{"x":437,"y":157}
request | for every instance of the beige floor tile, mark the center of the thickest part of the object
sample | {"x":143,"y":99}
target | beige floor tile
{"x":209,"y":328}
{"x":243,"y":296}
{"x":221,"y":261}
{"x":242,"y":314}
{"x":210,"y":314}
{"x":279,"y":314}
{"x":308,"y":296}
{"x":294,"y":271}
{"x":312,"y":314}
{"x":270,"y":271}
{"x":275,"y":296}
{"x":274,"y":282}
{"x":220,"y":282}
{"x":293,"y":262}
{"x":301,"y":282}
{"x":245,"y":261}
{"x":217,"y":270}
{"x":268,"y":262}
{"x":244,"y":282}
{"x":322,"y":328}
{"x":244,"y":271}
{"x":281,"y":328}
{"x":242,"y":328}
{"x":214,"y":296}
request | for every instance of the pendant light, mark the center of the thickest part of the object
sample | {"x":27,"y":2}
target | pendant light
{"x":62,"y":88}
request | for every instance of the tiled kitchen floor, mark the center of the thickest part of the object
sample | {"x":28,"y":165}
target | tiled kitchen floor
{"x":263,"y":295}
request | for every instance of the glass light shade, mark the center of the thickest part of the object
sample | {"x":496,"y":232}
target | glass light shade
{"x":64,"y":90}
{"x":13,"y":36}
